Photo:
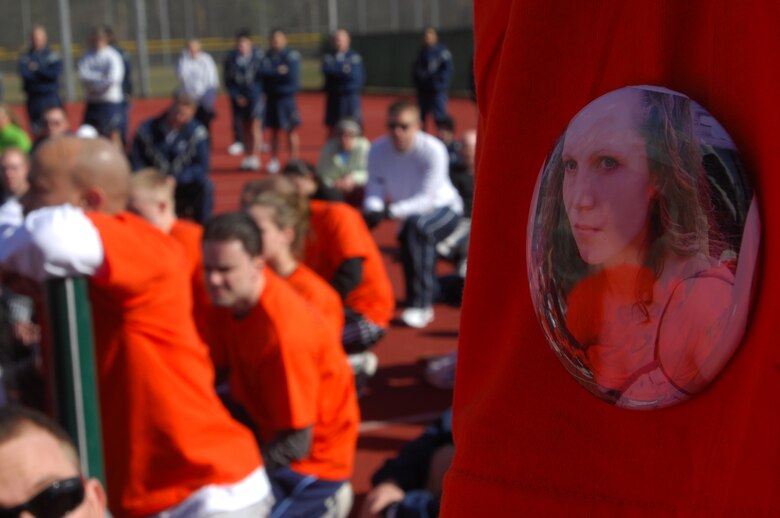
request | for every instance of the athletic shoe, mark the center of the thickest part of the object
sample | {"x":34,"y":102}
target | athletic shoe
{"x":444,"y":249}
{"x":273,"y":166}
{"x":363,"y":367}
{"x":417,"y":317}
{"x":370,"y":363}
{"x":250,"y":163}
{"x":235,"y":149}
{"x":363,"y":363}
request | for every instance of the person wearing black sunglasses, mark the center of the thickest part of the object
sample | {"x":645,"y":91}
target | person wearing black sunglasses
{"x":39,"y":470}
{"x":409,"y":180}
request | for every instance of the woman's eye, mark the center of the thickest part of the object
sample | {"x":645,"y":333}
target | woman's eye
{"x":609,"y":163}
{"x":569,"y":165}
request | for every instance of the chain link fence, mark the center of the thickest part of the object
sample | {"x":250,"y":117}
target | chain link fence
{"x":167,"y":24}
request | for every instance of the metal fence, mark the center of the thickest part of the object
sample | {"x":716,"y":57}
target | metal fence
{"x":161,"y":26}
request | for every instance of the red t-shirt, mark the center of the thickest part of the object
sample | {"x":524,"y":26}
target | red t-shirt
{"x":338,"y":233}
{"x":289,"y":375}
{"x":531,"y":441}
{"x":165,"y":432}
{"x":319,"y":294}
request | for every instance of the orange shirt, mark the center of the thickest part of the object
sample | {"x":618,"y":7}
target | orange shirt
{"x":319,"y":294}
{"x":338,"y":233}
{"x":289,"y":376}
{"x":189,"y":234}
{"x":165,"y":432}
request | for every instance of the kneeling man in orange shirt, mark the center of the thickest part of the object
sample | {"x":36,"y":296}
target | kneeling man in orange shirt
{"x":293,"y":380}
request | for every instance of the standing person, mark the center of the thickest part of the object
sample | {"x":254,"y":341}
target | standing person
{"x":40,"y":69}
{"x":170,"y":445}
{"x":433,"y":71}
{"x":177,"y":145}
{"x":198,"y":78}
{"x":127,"y":83}
{"x":245,"y":88}
{"x":408,"y":180}
{"x":292,"y":378}
{"x":344,"y":80}
{"x":281,"y":80}
{"x":101,"y":71}
{"x":40,"y":473}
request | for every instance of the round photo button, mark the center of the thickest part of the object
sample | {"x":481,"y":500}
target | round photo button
{"x":642,"y":243}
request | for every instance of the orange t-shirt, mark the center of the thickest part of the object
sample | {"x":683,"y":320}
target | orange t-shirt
{"x":338,"y":233}
{"x":289,"y":376}
{"x":165,"y":432}
{"x":319,"y":294}
{"x":189,"y":234}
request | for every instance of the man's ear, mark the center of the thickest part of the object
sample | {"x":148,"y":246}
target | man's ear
{"x":258,"y":263}
{"x":95,"y":497}
{"x":289,"y":235}
{"x":94,"y":199}
{"x":163,"y":206}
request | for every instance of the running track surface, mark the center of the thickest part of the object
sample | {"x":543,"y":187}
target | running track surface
{"x":397,"y":403}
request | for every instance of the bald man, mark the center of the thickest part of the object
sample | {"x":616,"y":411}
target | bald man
{"x":170,"y":446}
{"x":40,"y":471}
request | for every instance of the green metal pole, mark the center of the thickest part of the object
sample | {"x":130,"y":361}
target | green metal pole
{"x":76,"y":399}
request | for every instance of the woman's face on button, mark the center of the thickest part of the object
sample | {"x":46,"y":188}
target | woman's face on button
{"x":607,"y":186}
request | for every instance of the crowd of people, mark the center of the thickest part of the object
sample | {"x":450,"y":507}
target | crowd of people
{"x":264,"y":317}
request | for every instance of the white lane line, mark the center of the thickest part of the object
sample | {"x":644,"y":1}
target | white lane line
{"x":370,"y":426}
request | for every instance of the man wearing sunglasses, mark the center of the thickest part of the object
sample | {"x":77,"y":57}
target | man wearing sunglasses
{"x":408,"y":180}
{"x":39,"y":470}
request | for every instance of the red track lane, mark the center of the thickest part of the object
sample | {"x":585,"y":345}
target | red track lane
{"x":398,"y":390}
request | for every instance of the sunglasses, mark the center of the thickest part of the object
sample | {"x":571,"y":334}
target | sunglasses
{"x":57,"y":500}
{"x":402,"y":125}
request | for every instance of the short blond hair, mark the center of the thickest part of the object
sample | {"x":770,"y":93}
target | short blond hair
{"x":152,"y":180}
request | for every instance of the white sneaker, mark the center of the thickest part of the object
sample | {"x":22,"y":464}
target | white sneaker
{"x":370,"y":363}
{"x":444,"y":249}
{"x":250,"y":163}
{"x":417,"y":317}
{"x":235,"y":149}
{"x":363,"y":363}
{"x":273,"y":166}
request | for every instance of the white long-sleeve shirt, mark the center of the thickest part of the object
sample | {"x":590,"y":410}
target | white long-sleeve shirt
{"x":11,"y":216}
{"x":101,"y":72}
{"x":52,"y":242}
{"x":197,"y":75}
{"x":415,"y":181}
